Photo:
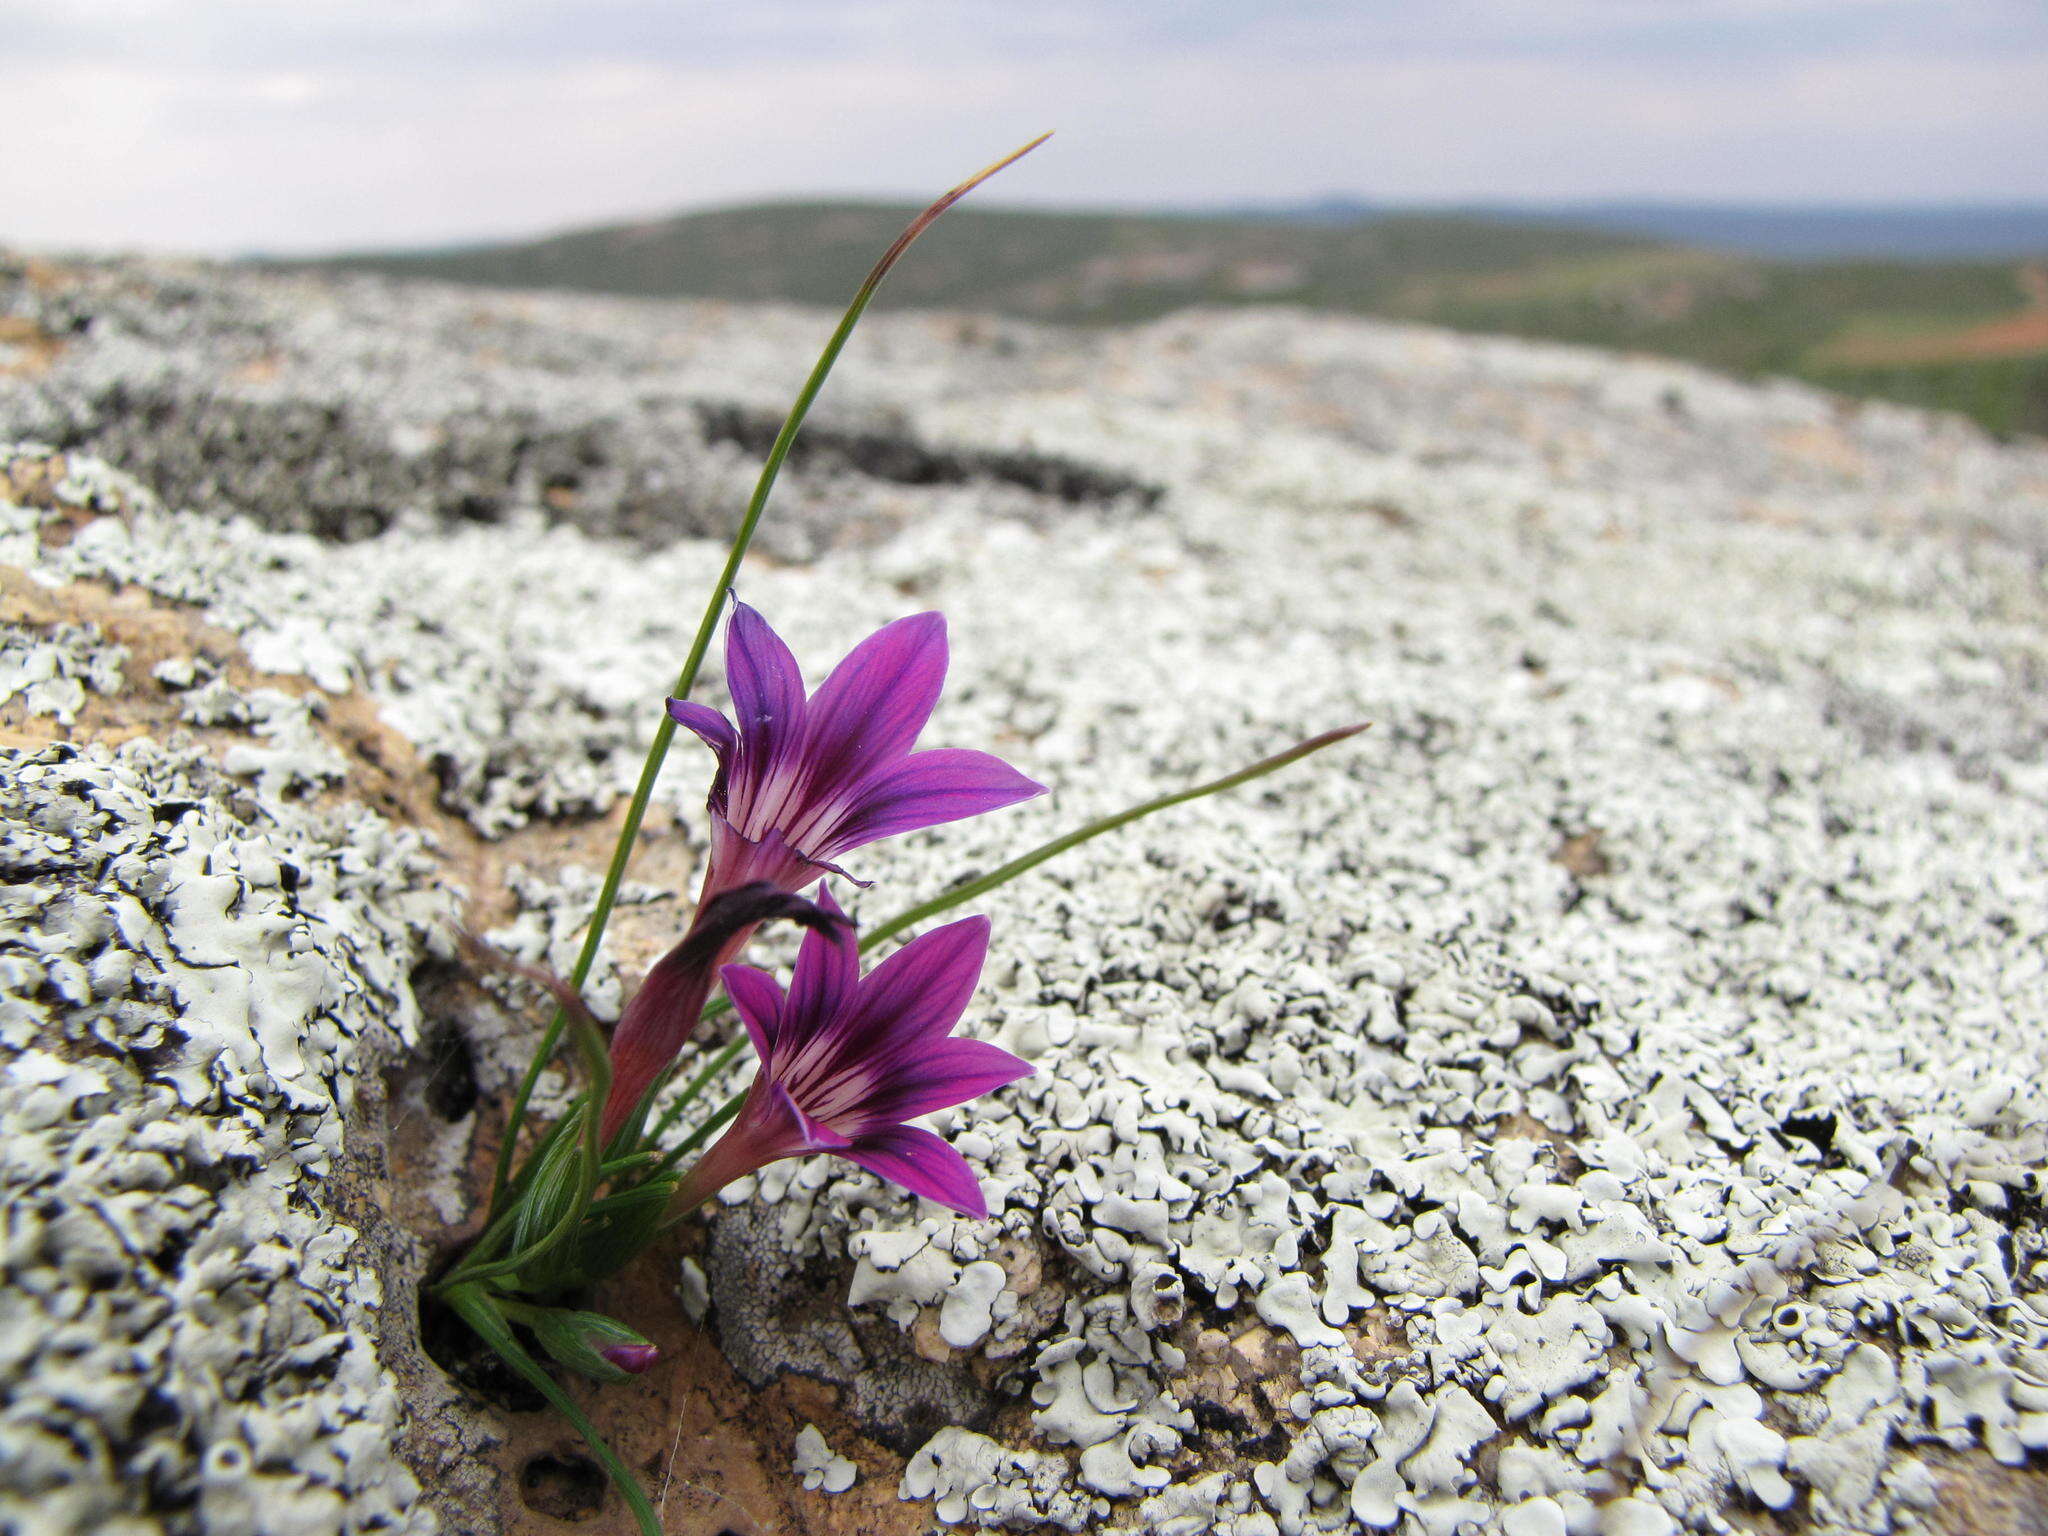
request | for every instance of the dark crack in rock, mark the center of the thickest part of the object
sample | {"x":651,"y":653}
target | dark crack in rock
{"x":343,"y":415}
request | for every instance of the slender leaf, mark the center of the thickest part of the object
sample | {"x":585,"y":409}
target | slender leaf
{"x":664,"y":733}
{"x":476,"y":1309}
{"x":968,"y":890}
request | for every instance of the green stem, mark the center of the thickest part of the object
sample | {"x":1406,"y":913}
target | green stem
{"x":477,"y":1310}
{"x":597,"y":1069}
{"x":650,"y":770}
{"x":500,"y":1226}
{"x":702,"y":1134}
{"x":727,"y":1054}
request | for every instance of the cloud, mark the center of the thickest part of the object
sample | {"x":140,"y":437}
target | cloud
{"x":230,"y":125}
{"x":454,"y":33}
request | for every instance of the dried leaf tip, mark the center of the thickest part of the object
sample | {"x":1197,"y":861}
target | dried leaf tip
{"x":925,"y":220}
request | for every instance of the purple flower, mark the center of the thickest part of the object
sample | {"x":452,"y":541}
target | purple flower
{"x":803,"y":780}
{"x":847,"y":1059}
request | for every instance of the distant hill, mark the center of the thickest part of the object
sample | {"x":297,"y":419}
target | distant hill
{"x":1970,"y":336}
{"x":1875,"y":232}
{"x":1068,"y":266}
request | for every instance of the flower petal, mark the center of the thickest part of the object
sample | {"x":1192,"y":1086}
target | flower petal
{"x":725,"y":918}
{"x":922,"y":1164}
{"x":711,"y":727}
{"x":937,"y":1074}
{"x":767,"y":704}
{"x":827,"y":972}
{"x":920,"y":990}
{"x":633,"y":1359}
{"x":758,"y":1001}
{"x":769,"y":1127}
{"x":870,"y":710}
{"x":923,"y":790}
{"x":671,"y":1000}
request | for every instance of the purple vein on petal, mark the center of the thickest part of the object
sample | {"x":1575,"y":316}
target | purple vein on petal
{"x":767,"y":692}
{"x":827,"y":969}
{"x":938,"y":1074}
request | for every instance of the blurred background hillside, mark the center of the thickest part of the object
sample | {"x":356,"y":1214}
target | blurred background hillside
{"x":1850,"y":192}
{"x":1960,"y":335}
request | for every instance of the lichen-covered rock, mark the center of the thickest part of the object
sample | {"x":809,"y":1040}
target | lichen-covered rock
{"x":1606,"y":1097}
{"x":188,"y":996}
{"x":51,"y":670}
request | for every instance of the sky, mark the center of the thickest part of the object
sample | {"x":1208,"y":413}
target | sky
{"x":229,"y":126}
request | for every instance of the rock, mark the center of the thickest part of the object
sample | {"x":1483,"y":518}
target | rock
{"x":774,"y":1318}
{"x":1396,"y":1137}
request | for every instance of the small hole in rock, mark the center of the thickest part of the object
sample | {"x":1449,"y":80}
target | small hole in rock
{"x":1819,"y":1130}
{"x":568,"y":1487}
{"x":451,"y":1090}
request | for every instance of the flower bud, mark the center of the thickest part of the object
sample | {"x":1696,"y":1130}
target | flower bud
{"x":589,"y":1342}
{"x":631,"y":1358}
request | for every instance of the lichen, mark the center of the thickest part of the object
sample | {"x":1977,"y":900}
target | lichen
{"x":1605,"y":1097}
{"x":52,"y":670}
{"x":187,"y":1334}
{"x":818,"y":1467}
